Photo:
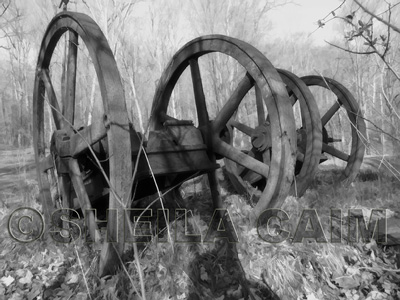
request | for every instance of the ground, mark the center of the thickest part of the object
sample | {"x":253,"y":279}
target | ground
{"x":307,"y":270}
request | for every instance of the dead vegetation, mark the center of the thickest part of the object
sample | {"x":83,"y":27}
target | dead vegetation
{"x":308,"y":270}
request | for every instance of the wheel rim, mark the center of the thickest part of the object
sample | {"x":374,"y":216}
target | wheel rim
{"x":358,"y":128}
{"x":115,"y":124}
{"x":311,"y":122}
{"x":267,"y":79}
{"x":311,"y":126}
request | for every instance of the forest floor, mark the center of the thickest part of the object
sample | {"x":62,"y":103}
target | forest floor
{"x":44,"y":269}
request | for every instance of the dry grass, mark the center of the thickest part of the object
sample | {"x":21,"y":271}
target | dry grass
{"x":305,"y":270}
{"x":17,"y":176}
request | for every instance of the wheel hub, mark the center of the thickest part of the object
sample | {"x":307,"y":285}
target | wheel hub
{"x":261,"y":138}
{"x":301,"y":140}
{"x":59,"y":145}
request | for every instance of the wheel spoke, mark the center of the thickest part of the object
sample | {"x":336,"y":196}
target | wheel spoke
{"x":118,"y":127}
{"x":292,"y":96}
{"x":260,"y":106}
{"x":232,"y":104}
{"x":239,"y":157}
{"x":83,"y":197}
{"x":51,"y":95}
{"x":242,"y":127}
{"x":252,"y":177}
{"x":330,"y":113}
{"x":200,"y":99}
{"x":335,"y":152}
{"x":240,"y":169}
{"x":71,"y":77}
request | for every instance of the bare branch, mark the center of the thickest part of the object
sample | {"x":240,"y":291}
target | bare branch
{"x":391,"y":6}
{"x":379,"y":129}
{"x":351,"y":51}
{"x":5,"y":7}
{"x":389,"y":66}
{"x":388,"y":33}
{"x":333,"y":11}
{"x":395,"y":28}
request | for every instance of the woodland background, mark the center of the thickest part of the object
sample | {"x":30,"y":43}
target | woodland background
{"x":144,"y":35}
{"x":361,"y":53}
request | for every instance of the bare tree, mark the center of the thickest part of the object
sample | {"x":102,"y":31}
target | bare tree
{"x":370,"y":40}
{"x":19,"y":49}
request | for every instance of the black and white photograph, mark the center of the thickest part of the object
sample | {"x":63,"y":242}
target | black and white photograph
{"x":200,"y":149}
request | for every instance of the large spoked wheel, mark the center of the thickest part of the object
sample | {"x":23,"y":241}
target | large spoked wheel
{"x":309,"y":142}
{"x":352,"y":153}
{"x":272,"y":94}
{"x":68,"y":145}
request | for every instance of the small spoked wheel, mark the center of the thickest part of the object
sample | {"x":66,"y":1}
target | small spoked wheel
{"x":277,"y":136}
{"x":309,"y":142}
{"x":61,"y":160}
{"x":345,"y":147}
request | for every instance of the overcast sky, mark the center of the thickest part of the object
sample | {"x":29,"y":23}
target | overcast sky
{"x":303,"y":15}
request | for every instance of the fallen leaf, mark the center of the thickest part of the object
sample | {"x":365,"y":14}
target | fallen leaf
{"x":331,"y":285}
{"x":203,"y":274}
{"x":33,"y":294}
{"x":7,"y":280}
{"x":6,"y":251}
{"x":373,"y":255}
{"x":353,"y":270}
{"x":72,"y":278}
{"x":81,"y":296}
{"x":311,"y":297}
{"x":27,"y":279}
{"x":347,"y":282}
{"x":15,"y":296}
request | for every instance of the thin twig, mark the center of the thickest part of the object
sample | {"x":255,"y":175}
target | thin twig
{"x":395,"y":28}
{"x":83,"y":273}
{"x":321,"y":24}
{"x":383,"y":269}
{"x":158,"y":192}
{"x":94,"y":155}
{"x":333,"y":11}
{"x":130,"y":279}
{"x":351,"y":51}
{"x":364,"y":140}
{"x":5,"y":7}
{"x":111,"y":189}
